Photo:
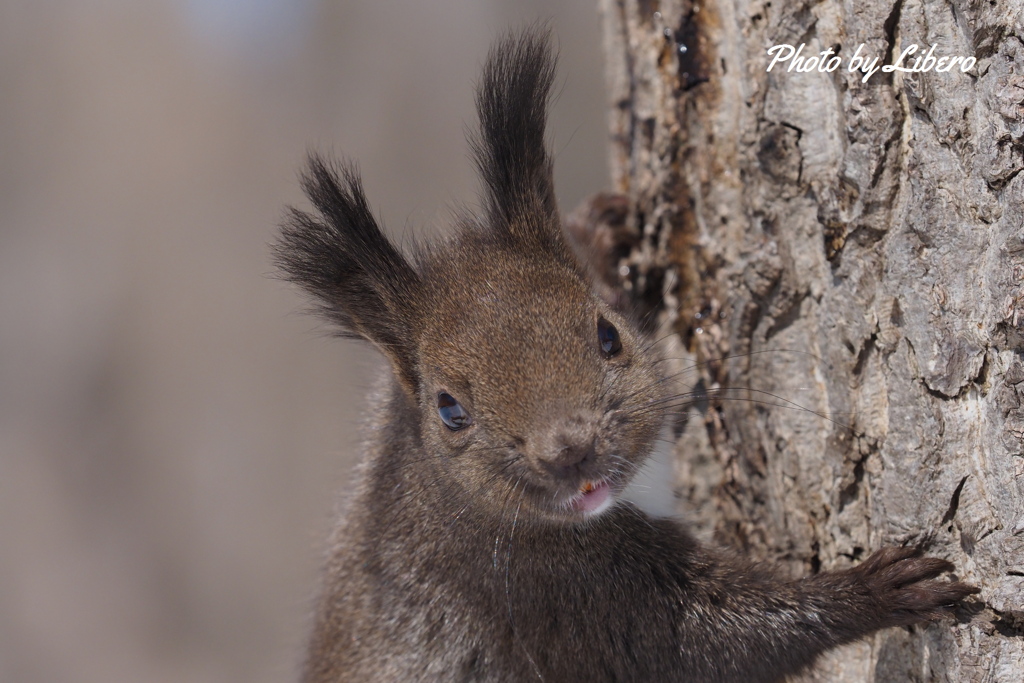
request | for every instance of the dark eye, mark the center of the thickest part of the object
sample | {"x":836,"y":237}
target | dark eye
{"x":609,"y":338}
{"x":452,"y":413}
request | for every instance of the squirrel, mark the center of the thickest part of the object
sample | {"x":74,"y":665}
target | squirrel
{"x":488,"y":539}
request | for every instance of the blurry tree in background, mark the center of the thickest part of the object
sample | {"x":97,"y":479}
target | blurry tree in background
{"x":172,"y":433}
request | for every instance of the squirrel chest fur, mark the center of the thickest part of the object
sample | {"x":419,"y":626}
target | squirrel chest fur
{"x":487,"y":540}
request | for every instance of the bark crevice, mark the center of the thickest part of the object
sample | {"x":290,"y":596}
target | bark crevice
{"x":874,"y":226}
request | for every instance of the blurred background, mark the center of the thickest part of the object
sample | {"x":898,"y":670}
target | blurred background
{"x":174,"y":436}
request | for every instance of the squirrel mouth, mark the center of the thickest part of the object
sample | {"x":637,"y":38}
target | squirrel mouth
{"x":594,"y":497}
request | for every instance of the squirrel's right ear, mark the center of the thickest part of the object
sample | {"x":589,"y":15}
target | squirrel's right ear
{"x":358,"y":278}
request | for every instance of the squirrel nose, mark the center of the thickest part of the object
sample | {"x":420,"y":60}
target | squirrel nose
{"x":574,"y":444}
{"x":571,"y":455}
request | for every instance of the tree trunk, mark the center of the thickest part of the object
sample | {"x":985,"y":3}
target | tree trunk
{"x":856,"y":249}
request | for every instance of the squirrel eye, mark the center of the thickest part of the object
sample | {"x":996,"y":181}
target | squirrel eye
{"x":609,"y":338}
{"x":452,"y":413}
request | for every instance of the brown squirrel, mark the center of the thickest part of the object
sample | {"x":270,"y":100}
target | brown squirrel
{"x":488,"y":540}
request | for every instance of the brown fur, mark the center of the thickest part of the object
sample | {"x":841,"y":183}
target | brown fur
{"x":458,"y":559}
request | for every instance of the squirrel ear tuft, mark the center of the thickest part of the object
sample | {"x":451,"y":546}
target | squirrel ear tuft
{"x":510,"y":150}
{"x":356,"y":276}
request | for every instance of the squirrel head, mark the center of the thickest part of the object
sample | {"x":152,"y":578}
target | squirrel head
{"x":527,"y":387}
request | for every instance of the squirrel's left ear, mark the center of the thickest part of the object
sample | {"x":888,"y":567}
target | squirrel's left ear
{"x":510,"y":151}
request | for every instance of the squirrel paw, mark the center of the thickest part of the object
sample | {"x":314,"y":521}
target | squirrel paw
{"x":902,"y":582}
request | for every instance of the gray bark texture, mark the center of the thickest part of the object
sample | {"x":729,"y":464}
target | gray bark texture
{"x":843,"y":265}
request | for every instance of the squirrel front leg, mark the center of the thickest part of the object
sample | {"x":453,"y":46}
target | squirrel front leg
{"x":767,"y":629}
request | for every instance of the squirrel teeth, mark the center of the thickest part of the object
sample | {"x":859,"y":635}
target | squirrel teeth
{"x":594,"y":498}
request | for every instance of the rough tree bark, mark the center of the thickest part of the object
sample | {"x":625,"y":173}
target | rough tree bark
{"x":858,"y":248}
